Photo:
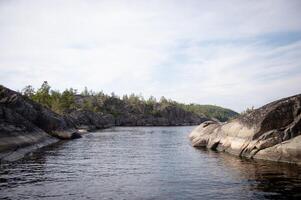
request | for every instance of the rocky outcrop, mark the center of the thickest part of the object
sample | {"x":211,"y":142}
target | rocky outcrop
{"x":86,"y":120}
{"x":170,"y":116}
{"x":271,"y":132}
{"x":126,"y":113}
{"x":167,"y":116}
{"x":26,"y":125}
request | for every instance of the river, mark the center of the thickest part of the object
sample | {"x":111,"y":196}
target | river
{"x":143,"y":163}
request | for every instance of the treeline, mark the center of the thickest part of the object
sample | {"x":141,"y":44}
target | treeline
{"x":53,"y":99}
{"x":211,"y":111}
{"x":70,"y":99}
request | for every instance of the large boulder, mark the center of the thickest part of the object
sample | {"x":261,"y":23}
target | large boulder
{"x":271,"y":132}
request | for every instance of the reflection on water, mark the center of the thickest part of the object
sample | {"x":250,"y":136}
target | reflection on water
{"x":273,"y":180}
{"x":143,"y":163}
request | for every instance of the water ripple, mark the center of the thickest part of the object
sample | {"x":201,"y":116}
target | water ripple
{"x":143,"y":163}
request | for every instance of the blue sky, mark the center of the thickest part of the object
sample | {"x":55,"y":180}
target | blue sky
{"x":236,"y":54}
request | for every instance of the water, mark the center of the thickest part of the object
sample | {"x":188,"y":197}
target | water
{"x":143,"y":163}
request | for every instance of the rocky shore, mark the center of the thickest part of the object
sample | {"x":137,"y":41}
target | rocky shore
{"x":26,"y":125}
{"x":272,"y":132}
{"x":170,"y":116}
{"x":117,"y":112}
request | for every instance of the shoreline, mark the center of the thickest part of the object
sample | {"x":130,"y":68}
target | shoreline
{"x":271,"y":132}
{"x":20,"y":152}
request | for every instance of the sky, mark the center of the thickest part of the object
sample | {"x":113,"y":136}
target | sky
{"x":234,"y":54}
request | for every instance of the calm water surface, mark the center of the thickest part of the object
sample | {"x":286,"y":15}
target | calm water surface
{"x":143,"y":163}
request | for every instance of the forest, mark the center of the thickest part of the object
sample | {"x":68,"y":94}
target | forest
{"x":70,"y":100}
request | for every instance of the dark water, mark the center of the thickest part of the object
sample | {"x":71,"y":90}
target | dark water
{"x":143,"y":163}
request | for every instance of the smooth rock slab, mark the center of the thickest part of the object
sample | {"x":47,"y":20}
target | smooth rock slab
{"x":271,"y":132}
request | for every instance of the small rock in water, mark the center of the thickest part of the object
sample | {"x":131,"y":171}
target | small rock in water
{"x":76,"y":135}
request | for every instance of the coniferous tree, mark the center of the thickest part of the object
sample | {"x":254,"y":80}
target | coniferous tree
{"x":28,"y":91}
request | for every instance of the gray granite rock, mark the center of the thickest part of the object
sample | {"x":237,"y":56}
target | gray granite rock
{"x":26,"y":125}
{"x":271,"y":132}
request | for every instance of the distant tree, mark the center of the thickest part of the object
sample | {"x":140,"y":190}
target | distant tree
{"x":133,"y":99}
{"x":92,"y":93}
{"x":163,"y":100}
{"x":43,"y":95}
{"x":56,"y":101}
{"x":125,"y":98}
{"x":113,"y":95}
{"x":28,"y":91}
{"x":141,"y":98}
{"x":100,"y":94}
{"x":45,"y":87}
{"x":67,"y":99}
{"x":88,"y":105}
{"x":85,"y":92}
{"x":151,"y":100}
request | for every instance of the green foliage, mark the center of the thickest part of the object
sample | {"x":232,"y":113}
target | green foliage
{"x":133,"y":99}
{"x":53,"y":99}
{"x":69,"y":100}
{"x":87,"y":92}
{"x":163,"y":100}
{"x":28,"y":91}
{"x":88,"y":105}
{"x":56,"y":101}
{"x":151,"y":100}
{"x":211,"y":111}
{"x":42,"y":95}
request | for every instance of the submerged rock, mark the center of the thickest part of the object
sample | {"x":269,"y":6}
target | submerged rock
{"x":76,"y":135}
{"x":271,"y":132}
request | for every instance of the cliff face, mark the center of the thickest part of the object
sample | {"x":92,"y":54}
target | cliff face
{"x":26,"y":125}
{"x":88,"y":120}
{"x":271,"y":132}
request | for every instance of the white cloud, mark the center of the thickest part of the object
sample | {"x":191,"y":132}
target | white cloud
{"x":192,"y":51}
